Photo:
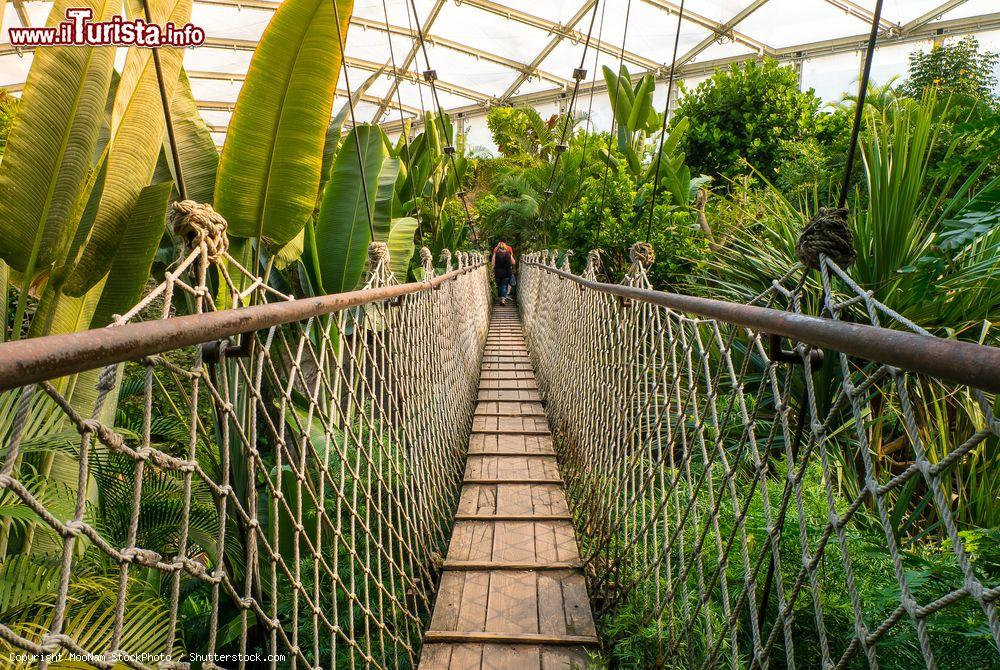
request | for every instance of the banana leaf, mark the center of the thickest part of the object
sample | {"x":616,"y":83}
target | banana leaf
{"x":136,"y":136}
{"x":269,"y":172}
{"x":51,"y":146}
{"x":342,"y":225}
{"x":401,"y":246}
{"x":336,"y":128}
{"x":198,"y":156}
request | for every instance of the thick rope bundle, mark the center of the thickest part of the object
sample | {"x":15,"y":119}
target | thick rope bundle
{"x":642,"y":252}
{"x":426,"y":258}
{"x":446,"y":259}
{"x":565,"y":260}
{"x":593,"y":262}
{"x":378,"y":252}
{"x":829,"y":234}
{"x":196,"y":223}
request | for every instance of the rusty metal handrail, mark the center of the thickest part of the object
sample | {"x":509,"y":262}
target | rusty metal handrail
{"x":967,"y":363}
{"x":33,"y":360}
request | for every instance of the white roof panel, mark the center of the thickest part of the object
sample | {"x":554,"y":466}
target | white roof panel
{"x":484,"y":50}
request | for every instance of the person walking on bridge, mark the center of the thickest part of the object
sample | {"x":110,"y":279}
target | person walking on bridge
{"x":503,"y":268}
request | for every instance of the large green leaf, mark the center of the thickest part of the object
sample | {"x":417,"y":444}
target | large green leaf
{"x":136,"y":138}
{"x":401,"y":246}
{"x":385,"y":198}
{"x":336,"y":127}
{"x":134,"y":258}
{"x":342,"y":225}
{"x":51,"y":145}
{"x":198,"y":155}
{"x":269,"y":172}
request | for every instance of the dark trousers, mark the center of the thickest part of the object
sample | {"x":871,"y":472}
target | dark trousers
{"x":503,"y":286}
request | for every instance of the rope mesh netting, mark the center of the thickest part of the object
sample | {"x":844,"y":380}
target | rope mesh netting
{"x":725,"y":490}
{"x":307,"y":476}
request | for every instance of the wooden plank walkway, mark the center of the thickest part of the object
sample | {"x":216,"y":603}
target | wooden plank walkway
{"x":512,"y":594}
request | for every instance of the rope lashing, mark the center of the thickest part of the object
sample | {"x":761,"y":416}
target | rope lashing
{"x":593,"y":262}
{"x":827,"y":233}
{"x":642,"y":252}
{"x":427,"y":260}
{"x":446,"y":259}
{"x":196,"y":223}
{"x":378,"y":252}
{"x":565,"y":260}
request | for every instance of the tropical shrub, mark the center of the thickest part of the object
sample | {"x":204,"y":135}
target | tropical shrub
{"x":742,"y":115}
{"x":959,"y":68}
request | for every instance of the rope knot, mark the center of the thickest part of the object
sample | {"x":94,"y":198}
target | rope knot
{"x":829,"y":234}
{"x":426,"y":257}
{"x":446,"y":259}
{"x":198,"y":223}
{"x":565,"y":260}
{"x":378,"y":252}
{"x":593,"y":260}
{"x":642,"y":252}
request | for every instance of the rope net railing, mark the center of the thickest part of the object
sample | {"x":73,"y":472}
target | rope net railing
{"x":277,"y":501}
{"x":741,"y":505}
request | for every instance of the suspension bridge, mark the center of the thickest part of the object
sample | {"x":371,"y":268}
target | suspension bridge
{"x":409,"y":476}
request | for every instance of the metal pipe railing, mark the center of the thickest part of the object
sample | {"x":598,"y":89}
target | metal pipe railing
{"x":967,"y":363}
{"x":29,"y":361}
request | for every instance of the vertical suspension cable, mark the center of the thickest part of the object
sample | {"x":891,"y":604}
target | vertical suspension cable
{"x":430,"y":76}
{"x":663,"y":126}
{"x":399,"y":102}
{"x":167,"y":117}
{"x":354,"y":124}
{"x":590,"y":104}
{"x":578,"y":75}
{"x":859,"y":109}
{"x":614,"y":106}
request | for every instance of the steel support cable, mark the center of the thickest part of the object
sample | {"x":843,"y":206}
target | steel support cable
{"x":399,"y":100}
{"x":859,"y":107}
{"x":614,"y":117}
{"x":578,"y":76}
{"x":590,"y":105}
{"x":663,"y":125}
{"x":430,"y":76}
{"x":369,"y":205}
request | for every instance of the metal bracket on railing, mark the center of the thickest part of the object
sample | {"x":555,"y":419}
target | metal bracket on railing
{"x":777,"y":353}
{"x":211,"y":352}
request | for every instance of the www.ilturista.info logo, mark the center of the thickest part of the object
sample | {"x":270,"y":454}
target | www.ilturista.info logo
{"x":78,"y":29}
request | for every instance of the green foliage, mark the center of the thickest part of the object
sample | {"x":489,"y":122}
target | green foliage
{"x":638,"y":624}
{"x":269,"y":171}
{"x":521,"y":132}
{"x":959,"y":68}
{"x":742,"y":115}
{"x":342,"y":225}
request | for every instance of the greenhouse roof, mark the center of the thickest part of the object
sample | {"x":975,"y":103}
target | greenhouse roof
{"x":488,"y":53}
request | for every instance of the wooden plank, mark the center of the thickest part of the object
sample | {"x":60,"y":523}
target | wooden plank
{"x":513,"y":606}
{"x":435,"y":636}
{"x":472,"y":541}
{"x":579,"y":619}
{"x":514,"y":517}
{"x":514,"y":542}
{"x":448,"y":602}
{"x":436,"y":657}
{"x":525,"y":480}
{"x":473,"y":609}
{"x":564,"y":659}
{"x":531,"y":566}
{"x":497,"y":657}
{"x":466,"y":657}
